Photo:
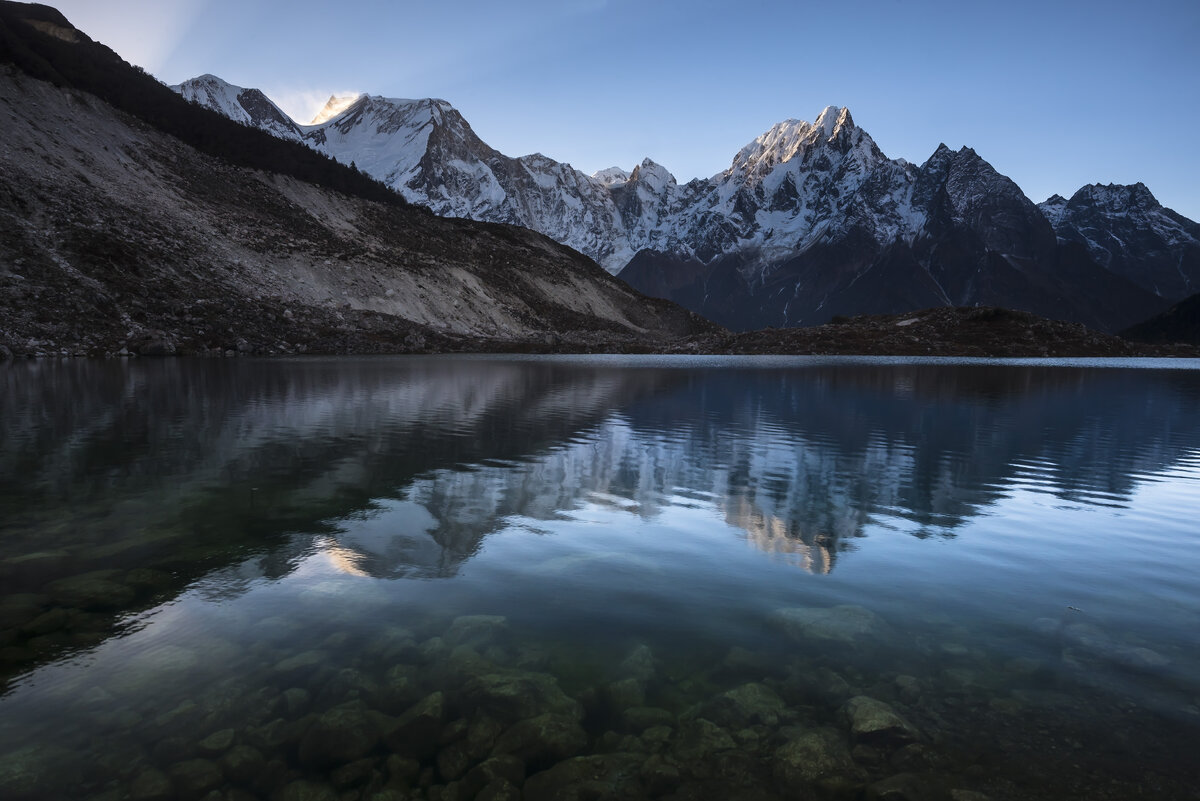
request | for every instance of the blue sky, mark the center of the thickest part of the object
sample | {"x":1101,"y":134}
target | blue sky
{"x":1054,"y":94}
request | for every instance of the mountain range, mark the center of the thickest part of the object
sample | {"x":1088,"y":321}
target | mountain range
{"x":809,"y":222}
{"x":134,"y":221}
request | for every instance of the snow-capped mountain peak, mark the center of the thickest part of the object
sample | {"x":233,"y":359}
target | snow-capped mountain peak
{"x":248,"y":106}
{"x":335,"y":106}
{"x":611,"y":176}
{"x":653,"y":176}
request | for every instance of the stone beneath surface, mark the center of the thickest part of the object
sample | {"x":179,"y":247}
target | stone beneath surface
{"x":518,"y":695}
{"x":477,"y":631}
{"x":699,"y":739}
{"x":543,"y":739}
{"x":601,"y":776}
{"x":874,"y":722}
{"x":96,"y":590}
{"x":810,"y":757}
{"x":847,"y":623}
{"x":341,"y":735}
{"x":747,"y":705}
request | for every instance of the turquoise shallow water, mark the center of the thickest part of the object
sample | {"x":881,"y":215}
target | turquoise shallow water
{"x":599,"y":577}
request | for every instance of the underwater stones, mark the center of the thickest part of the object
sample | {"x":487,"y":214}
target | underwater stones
{"x":811,"y":756}
{"x":542,"y":739}
{"x":340,"y":735}
{"x":518,"y":695}
{"x":217,"y":743}
{"x":587,"y":777}
{"x":96,"y":590}
{"x":19,"y":608}
{"x":908,"y":687}
{"x":193,"y":778}
{"x":31,"y":772}
{"x":416,"y":731}
{"x":625,"y":693}
{"x":295,"y":701}
{"x":639,"y":664}
{"x":463,"y":662}
{"x":847,"y":623}
{"x":394,"y":644}
{"x":658,"y":776}
{"x":399,"y":690}
{"x":477,"y":631}
{"x":148,"y":580}
{"x":402,"y":770}
{"x":655,"y":738}
{"x":742,"y":663}
{"x":301,"y":664}
{"x":874,"y":722}
{"x":151,"y":785}
{"x":433,"y":650}
{"x":307,"y":791}
{"x":505,"y":768}
{"x":699,"y":739}
{"x":453,"y":761}
{"x":499,"y":790}
{"x":639,"y":718}
{"x":746,"y":705}
{"x":242,"y":763}
{"x":353,"y":774}
{"x":904,"y":787}
{"x":482,"y":732}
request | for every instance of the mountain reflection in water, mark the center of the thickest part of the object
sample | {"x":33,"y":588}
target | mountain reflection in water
{"x":427,"y":457}
{"x":1039,"y":514}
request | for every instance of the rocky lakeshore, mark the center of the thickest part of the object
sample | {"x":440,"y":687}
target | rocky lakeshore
{"x":466,"y":707}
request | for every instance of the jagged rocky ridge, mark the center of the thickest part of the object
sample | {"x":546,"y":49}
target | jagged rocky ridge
{"x":809,"y":221}
{"x":116,"y":236}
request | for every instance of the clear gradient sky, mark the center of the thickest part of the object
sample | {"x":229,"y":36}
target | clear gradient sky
{"x":1054,"y":94}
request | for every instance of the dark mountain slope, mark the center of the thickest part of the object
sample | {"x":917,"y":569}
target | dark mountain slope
{"x":114,"y":234}
{"x":1180,"y":323}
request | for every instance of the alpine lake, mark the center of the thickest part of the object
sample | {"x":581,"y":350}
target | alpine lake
{"x":544,"y":578}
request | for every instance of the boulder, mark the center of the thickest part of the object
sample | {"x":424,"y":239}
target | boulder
{"x":416,"y":732}
{"x":477,"y":631}
{"x":810,"y":756}
{"x":543,"y":739}
{"x":874,"y":722}
{"x":343,"y":734}
{"x":747,"y":705}
{"x":519,"y":695}
{"x":600,"y":776}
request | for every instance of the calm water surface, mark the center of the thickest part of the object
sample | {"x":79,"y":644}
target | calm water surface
{"x":568,"y":578}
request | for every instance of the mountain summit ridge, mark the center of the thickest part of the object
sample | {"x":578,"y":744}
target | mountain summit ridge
{"x":820,"y":194}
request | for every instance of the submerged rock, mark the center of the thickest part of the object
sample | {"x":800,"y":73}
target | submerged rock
{"x":195,"y":777}
{"x":307,"y":791}
{"x":810,"y":756}
{"x":33,"y":772}
{"x":542,"y":739}
{"x":746,"y":705}
{"x":416,"y":732}
{"x":518,"y":695}
{"x":96,"y":590}
{"x":875,"y":722}
{"x":477,"y":631}
{"x":340,"y":735}
{"x":151,"y":785}
{"x":639,"y":664}
{"x":846,"y":623}
{"x":601,"y":776}
{"x":699,"y":739}
{"x":640,"y":718}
